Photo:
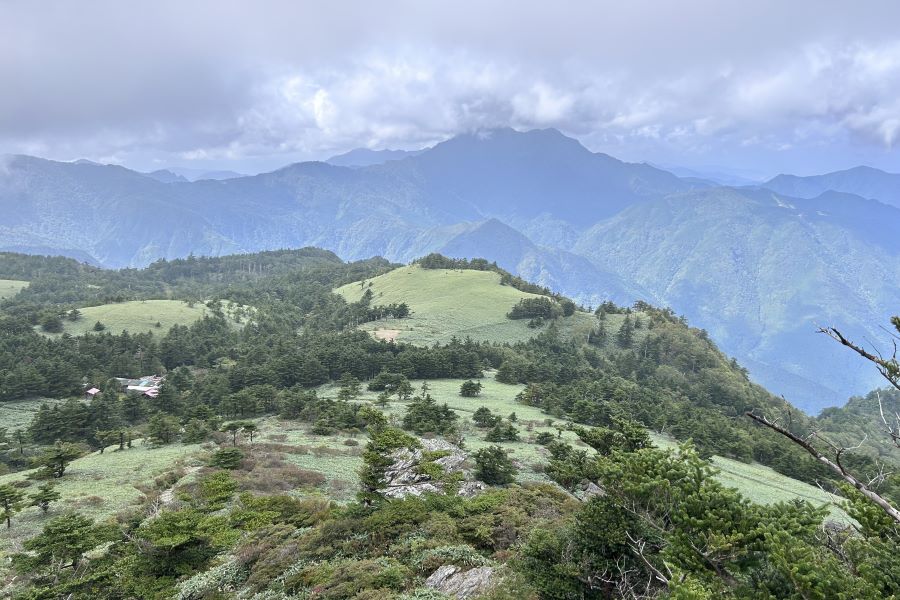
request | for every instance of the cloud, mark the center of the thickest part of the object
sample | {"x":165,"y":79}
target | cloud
{"x":241,"y":85}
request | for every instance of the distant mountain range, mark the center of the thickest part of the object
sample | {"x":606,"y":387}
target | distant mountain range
{"x":757,"y":266}
{"x":363,"y":157}
{"x":182,"y":175}
{"x":862,"y":181}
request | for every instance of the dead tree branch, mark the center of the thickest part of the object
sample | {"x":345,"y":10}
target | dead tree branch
{"x":835,"y":466}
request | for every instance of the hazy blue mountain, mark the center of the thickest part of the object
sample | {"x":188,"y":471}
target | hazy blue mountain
{"x":113,"y":215}
{"x":363,"y":157}
{"x":201,"y":174}
{"x":714,"y":174}
{"x":861,"y":181}
{"x":760,"y":271}
{"x":515,"y":175}
{"x":167,"y":176}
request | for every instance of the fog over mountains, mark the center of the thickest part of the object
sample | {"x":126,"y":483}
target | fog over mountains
{"x":757,"y":266}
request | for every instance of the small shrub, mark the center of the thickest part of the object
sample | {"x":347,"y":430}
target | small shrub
{"x":226,"y":458}
{"x":544,"y":437}
{"x":462,"y":555}
{"x":493,"y":466}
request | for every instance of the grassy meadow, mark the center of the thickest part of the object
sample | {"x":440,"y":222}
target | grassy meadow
{"x":757,"y":482}
{"x":98,"y":485}
{"x":16,"y":414}
{"x":447,"y":302}
{"x":103,"y":485}
{"x":136,"y":316}
{"x":11,"y":287}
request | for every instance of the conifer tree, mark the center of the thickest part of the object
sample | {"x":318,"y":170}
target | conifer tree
{"x":44,"y":496}
{"x":10,"y":502}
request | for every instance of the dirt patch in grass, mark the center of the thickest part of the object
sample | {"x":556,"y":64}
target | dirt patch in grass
{"x":388,"y":335}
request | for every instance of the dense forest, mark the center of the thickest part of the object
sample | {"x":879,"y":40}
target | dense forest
{"x":657,"y":525}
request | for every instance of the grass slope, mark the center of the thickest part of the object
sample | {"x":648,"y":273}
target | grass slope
{"x":757,"y":482}
{"x":448,"y":302}
{"x":97,"y":485}
{"x":11,"y":287}
{"x":17,"y":414}
{"x":136,"y":316}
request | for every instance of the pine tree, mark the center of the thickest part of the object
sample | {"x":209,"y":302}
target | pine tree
{"x":350,"y":387}
{"x":163,"y":429}
{"x":470,"y":389}
{"x":10,"y":502}
{"x":64,"y":541}
{"x":625,"y":337}
{"x":44,"y":496}
{"x":56,"y":459}
{"x":493,"y":466}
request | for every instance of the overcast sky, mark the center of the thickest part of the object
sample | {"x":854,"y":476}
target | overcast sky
{"x":760,"y":87}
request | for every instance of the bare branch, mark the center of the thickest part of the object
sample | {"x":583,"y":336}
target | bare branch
{"x":893,"y":430}
{"x":637,"y":546}
{"x":886,"y":506}
{"x":889,"y":368}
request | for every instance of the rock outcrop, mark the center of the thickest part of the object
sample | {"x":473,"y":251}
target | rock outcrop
{"x":406,"y":477}
{"x":460,"y":583}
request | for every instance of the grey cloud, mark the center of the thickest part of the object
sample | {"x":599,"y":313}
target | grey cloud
{"x":258,"y":84}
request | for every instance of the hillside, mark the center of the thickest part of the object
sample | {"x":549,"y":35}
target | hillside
{"x":795,"y":265}
{"x":448,"y":303}
{"x":137,"y":316}
{"x":301,"y":455}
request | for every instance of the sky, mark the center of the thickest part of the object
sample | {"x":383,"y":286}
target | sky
{"x":758,"y":88}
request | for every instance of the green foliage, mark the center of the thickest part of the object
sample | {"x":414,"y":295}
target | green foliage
{"x":660,"y":513}
{"x":235,"y":427}
{"x":10,"y":502}
{"x":226,"y":458}
{"x":52,"y":324}
{"x":216,"y":490}
{"x":376,"y":458}
{"x":493,"y":466}
{"x":425,"y":415}
{"x":56,"y":459}
{"x":483,"y":417}
{"x":470,"y":389}
{"x":544,"y":438}
{"x":350,"y":387}
{"x":180,"y":542}
{"x":163,"y":429}
{"x":45,"y":495}
{"x":63,"y":542}
{"x":502,"y":432}
{"x":625,"y":435}
{"x":532,"y":308}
